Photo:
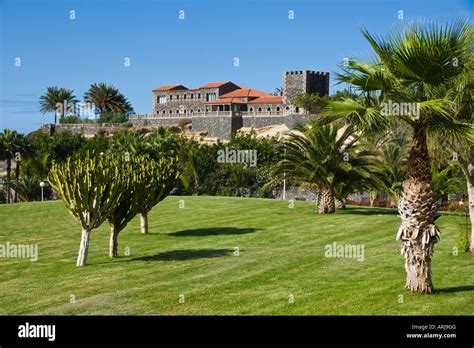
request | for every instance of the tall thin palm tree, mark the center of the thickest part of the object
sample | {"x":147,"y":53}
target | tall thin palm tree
{"x":9,"y":149}
{"x":56,"y":100}
{"x":107,"y":98}
{"x":419,"y":67}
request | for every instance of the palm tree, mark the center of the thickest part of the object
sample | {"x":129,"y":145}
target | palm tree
{"x":8,"y":151}
{"x":319,"y":156}
{"x":56,"y":100}
{"x":107,"y":98}
{"x":419,"y":65}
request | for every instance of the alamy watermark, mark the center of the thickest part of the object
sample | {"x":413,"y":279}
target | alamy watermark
{"x":391,"y":108}
{"x":350,"y":251}
{"x":24,"y":251}
{"x":237,"y":156}
{"x":76,"y":109}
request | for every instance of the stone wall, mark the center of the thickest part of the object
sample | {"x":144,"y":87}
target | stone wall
{"x":296,"y":82}
{"x":263,"y":121}
{"x":222,"y":127}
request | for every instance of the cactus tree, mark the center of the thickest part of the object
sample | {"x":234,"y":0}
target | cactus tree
{"x":159,"y":178}
{"x":90,"y":188}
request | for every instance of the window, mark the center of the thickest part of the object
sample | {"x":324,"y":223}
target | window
{"x":177,"y":97}
{"x":161,"y":99}
{"x":171,"y":97}
{"x":191,"y":110}
{"x":278,"y":108}
{"x":192,"y":96}
{"x":171,"y":111}
{"x":259,"y":109}
{"x":184,"y":96}
{"x":199,"y":110}
{"x":251,"y":109}
{"x":211,"y":96}
{"x":287,"y":108}
{"x":297,"y":109}
{"x":163,"y":112}
{"x":268,"y":109}
{"x":177,"y":111}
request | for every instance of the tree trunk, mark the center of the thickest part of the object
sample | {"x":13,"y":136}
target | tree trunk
{"x":340,"y":203}
{"x":84,"y":248}
{"x":144,"y":222}
{"x":326,"y":201}
{"x":113,"y":244}
{"x":418,"y":231}
{"x":17,"y":178}
{"x":468,"y":170}
{"x":9,"y":174}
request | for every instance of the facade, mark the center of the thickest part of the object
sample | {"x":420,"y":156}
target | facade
{"x":220,"y":108}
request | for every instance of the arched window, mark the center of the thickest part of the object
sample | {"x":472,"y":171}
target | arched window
{"x":171,"y":111}
{"x":297,"y":109}
{"x":259,"y":109}
{"x":287,"y":108}
{"x":184,"y":96}
{"x":191,"y":110}
{"x":199,"y":110}
{"x":251,"y":109}
{"x":278,"y":108}
{"x":269,"y":109}
{"x":171,"y":97}
{"x":177,"y":111}
{"x":177,"y":97}
{"x":199,"y":95}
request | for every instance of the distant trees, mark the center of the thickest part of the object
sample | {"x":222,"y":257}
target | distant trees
{"x":107,"y":98}
{"x":53,"y":97}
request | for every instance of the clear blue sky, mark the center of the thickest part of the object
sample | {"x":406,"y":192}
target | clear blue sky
{"x":163,"y":49}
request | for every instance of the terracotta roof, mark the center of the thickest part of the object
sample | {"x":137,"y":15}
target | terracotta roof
{"x":267,"y":100}
{"x":215,"y":84}
{"x":169,"y":87}
{"x":221,"y":101}
{"x":244,"y":93}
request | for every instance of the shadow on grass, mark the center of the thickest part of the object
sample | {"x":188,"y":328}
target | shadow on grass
{"x":181,"y":255}
{"x":369,"y":211}
{"x":214,"y":231}
{"x":454,"y":289}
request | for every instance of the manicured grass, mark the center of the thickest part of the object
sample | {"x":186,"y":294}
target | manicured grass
{"x":191,"y":251}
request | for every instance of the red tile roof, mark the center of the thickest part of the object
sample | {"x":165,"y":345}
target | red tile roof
{"x":245,"y":93}
{"x":221,"y":101}
{"x":215,"y":84}
{"x":169,"y":87}
{"x":267,"y":100}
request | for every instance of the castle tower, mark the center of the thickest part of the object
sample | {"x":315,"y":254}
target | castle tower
{"x":296,"y":82}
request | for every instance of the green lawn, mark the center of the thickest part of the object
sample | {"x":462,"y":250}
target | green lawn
{"x":191,"y":251}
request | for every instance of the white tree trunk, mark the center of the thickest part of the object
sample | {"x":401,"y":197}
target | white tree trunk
{"x":113,"y":242}
{"x":470,"y":193}
{"x":468,"y":169}
{"x":144,"y":222}
{"x":84,"y":248}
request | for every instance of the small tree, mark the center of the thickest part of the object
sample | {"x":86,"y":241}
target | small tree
{"x":90,"y":188}
{"x":158,"y":179}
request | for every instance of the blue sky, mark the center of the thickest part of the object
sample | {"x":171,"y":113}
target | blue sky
{"x":58,"y":51}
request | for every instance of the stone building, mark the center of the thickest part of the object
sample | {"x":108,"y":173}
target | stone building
{"x":219,"y":109}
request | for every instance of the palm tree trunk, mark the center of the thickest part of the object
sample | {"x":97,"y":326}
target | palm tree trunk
{"x":113,"y":244}
{"x":9,"y":174}
{"x":84,"y":248}
{"x":17,"y":178}
{"x":418,"y":231}
{"x":326,"y":201}
{"x":144,"y":222}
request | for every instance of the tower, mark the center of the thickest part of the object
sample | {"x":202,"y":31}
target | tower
{"x":296,"y":82}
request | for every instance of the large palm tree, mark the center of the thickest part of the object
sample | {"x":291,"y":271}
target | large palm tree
{"x":422,"y":65}
{"x":55,"y":99}
{"x":320,"y":156}
{"x":107,"y":98}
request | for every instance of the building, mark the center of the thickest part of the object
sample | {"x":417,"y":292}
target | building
{"x":220,"y":108}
